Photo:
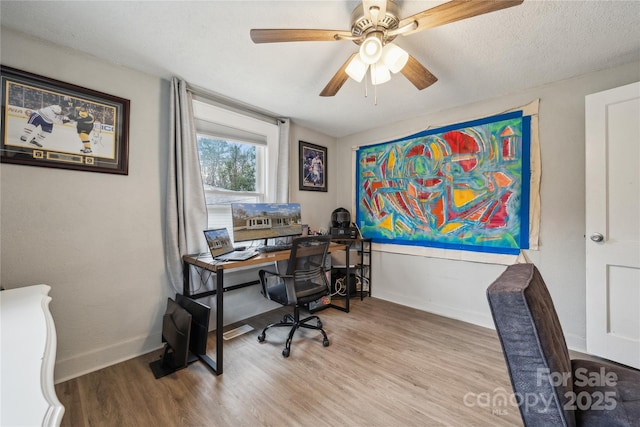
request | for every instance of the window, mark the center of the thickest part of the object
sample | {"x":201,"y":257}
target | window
{"x":238,"y":160}
{"x":227,"y":165}
{"x":230,"y":174}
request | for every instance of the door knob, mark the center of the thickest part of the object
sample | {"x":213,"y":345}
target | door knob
{"x":597,"y":237}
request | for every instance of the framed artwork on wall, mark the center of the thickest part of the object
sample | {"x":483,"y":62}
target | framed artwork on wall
{"x":46,"y":122}
{"x":464,"y":186}
{"x":313,"y":164}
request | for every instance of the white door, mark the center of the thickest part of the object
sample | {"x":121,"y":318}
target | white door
{"x":613,"y":224}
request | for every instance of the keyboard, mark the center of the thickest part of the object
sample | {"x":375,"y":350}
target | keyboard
{"x":237,"y":255}
{"x":274,"y":248}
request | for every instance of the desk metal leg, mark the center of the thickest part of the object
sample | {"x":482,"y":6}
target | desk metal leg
{"x":216,"y":365}
{"x":347,"y":280}
{"x":219,"y":319}
{"x":186,"y":279}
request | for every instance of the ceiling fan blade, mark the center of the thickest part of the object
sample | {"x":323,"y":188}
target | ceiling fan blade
{"x":297,"y":35}
{"x":337,"y":80}
{"x":455,"y":11}
{"x":417,"y":74}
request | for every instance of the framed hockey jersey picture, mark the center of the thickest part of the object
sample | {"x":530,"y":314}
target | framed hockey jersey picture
{"x":46,"y":122}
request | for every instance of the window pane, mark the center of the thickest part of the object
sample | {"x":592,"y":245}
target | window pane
{"x":230,"y":174}
{"x":227,"y":165}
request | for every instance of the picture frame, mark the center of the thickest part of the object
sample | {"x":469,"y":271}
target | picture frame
{"x":50,"y":123}
{"x":313,"y":166}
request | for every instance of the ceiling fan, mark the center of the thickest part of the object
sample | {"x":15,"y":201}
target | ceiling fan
{"x":374,"y":25}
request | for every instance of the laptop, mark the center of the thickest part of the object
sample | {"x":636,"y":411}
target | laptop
{"x":221,"y":249}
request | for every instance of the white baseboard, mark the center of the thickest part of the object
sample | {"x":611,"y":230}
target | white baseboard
{"x":473,"y":317}
{"x":85,"y":363}
{"x":94,"y":360}
{"x":576,"y":342}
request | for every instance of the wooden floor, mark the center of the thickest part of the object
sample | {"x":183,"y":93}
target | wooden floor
{"x":387,"y":365}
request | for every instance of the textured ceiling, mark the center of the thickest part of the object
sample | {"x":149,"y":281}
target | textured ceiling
{"x":207,"y":43}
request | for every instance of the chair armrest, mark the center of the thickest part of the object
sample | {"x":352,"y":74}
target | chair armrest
{"x":265,"y":274}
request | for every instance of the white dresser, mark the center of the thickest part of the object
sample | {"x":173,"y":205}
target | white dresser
{"x":27,"y":359}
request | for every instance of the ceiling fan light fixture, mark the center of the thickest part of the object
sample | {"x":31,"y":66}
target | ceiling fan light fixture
{"x":371,"y":49}
{"x":357,"y":69}
{"x":394,"y":57}
{"x":376,"y":23}
{"x":379,"y":73}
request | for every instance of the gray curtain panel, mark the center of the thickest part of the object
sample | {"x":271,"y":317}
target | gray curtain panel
{"x":282,"y":183}
{"x":186,"y":210}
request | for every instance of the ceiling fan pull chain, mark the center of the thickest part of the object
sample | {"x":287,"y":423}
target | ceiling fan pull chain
{"x":375,"y":86}
{"x":375,"y":95}
{"x":366,"y":85}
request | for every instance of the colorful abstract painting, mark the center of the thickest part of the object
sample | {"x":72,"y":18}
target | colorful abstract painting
{"x":464,"y":186}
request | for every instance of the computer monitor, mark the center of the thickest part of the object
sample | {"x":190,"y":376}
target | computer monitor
{"x":199,"y":323}
{"x":262,"y":221}
{"x":176,"y":332}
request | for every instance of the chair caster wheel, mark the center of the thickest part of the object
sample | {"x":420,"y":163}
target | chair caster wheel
{"x":325,"y":342}
{"x":261,"y":337}
{"x":285,"y":352}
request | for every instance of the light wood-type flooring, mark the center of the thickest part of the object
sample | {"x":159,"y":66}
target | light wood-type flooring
{"x":388,"y":365}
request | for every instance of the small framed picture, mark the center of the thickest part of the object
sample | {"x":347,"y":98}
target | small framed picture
{"x":50,"y":123}
{"x":313,"y":166}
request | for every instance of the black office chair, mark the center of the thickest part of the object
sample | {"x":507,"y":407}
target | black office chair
{"x":304,"y":281}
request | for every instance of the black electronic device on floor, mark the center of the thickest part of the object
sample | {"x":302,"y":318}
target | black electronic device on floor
{"x":185,"y":327}
{"x":176,"y":331}
{"x":199,"y":324}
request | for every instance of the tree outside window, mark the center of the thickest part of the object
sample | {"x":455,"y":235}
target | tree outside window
{"x":230,"y":174}
{"x":227,"y":165}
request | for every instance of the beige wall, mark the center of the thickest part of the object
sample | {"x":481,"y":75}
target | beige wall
{"x":457,"y":288}
{"x":316,"y":206}
{"x":97,"y":239}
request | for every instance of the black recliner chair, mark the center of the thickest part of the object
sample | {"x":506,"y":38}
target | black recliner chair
{"x":304,"y":281}
{"x":552,"y":389}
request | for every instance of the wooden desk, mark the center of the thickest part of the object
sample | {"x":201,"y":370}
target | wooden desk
{"x":206,"y":262}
